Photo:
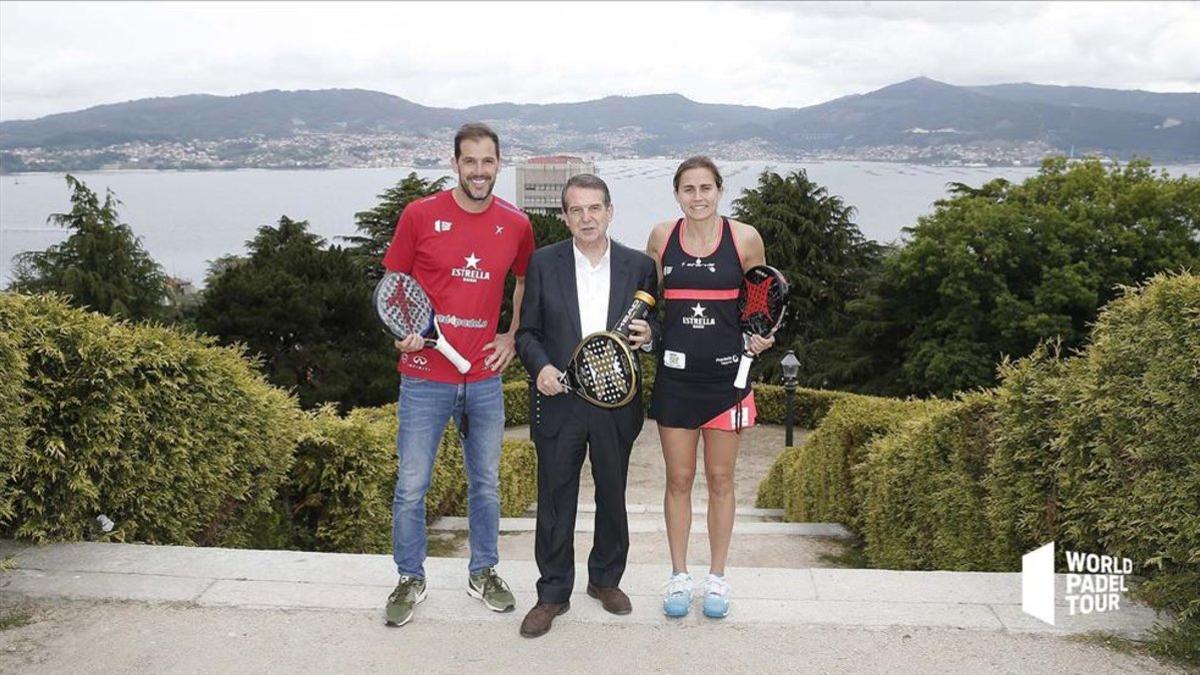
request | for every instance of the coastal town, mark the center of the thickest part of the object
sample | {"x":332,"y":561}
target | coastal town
{"x":312,"y":150}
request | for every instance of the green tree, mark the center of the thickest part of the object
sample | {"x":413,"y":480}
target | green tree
{"x":812,"y":238}
{"x":377,"y":225}
{"x":101,"y":265}
{"x":305,"y":310}
{"x":996,"y":269}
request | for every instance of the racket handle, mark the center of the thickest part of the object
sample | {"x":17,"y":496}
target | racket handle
{"x":743,"y":373}
{"x":642,"y":302}
{"x":460,"y":364}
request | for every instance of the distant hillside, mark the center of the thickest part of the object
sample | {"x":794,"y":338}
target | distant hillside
{"x":918,"y":113}
{"x":1183,"y":106}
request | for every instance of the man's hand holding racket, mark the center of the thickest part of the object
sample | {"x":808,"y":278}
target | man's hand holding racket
{"x":412,"y":343}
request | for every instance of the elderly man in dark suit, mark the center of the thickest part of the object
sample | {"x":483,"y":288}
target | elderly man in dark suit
{"x":574,"y":288}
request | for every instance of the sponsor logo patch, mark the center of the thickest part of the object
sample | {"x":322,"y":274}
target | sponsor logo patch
{"x":470,"y":272}
{"x":677,"y":360}
{"x":459,"y":322}
{"x":698,"y":320}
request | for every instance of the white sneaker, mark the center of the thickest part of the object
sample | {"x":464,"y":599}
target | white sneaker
{"x":716,"y":597}
{"x":677,"y":595}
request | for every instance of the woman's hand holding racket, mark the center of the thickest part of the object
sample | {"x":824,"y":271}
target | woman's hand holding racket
{"x":762,"y":304}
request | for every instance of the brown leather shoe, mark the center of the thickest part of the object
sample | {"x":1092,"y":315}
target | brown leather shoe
{"x":614,"y":599}
{"x":537,"y":622}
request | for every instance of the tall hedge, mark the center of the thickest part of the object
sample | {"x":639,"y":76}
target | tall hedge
{"x":819,"y":486}
{"x":176,"y":440}
{"x":340,"y":489}
{"x":922,"y":490}
{"x":1098,"y":452}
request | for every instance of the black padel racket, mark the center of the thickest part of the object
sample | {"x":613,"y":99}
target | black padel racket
{"x":404,"y":308}
{"x":762,"y":304}
{"x":603,"y":370}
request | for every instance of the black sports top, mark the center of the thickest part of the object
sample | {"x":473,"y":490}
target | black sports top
{"x":702,"y":338}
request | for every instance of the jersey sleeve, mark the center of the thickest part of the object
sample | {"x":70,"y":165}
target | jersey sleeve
{"x":524,"y":251}
{"x":401,"y":252}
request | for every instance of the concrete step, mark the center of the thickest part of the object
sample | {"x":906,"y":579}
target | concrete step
{"x":632,"y":510}
{"x":347,"y":582}
{"x":834,"y":530}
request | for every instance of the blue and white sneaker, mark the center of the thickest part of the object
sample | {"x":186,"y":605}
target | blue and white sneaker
{"x":716,"y":597}
{"x":677,"y":595}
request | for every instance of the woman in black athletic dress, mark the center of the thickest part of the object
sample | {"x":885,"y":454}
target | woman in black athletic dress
{"x":701,"y":258}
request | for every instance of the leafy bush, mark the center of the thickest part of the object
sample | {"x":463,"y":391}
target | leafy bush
{"x":1097,"y":452}
{"x":340,"y":489}
{"x":176,"y":440}
{"x":922,"y":491}
{"x":820,"y":485}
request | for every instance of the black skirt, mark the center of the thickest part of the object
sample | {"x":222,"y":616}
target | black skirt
{"x":690,"y":403}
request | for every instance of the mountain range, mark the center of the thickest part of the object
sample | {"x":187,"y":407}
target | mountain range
{"x":920,"y":112}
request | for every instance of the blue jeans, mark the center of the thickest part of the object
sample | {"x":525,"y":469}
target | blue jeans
{"x":424,"y":407}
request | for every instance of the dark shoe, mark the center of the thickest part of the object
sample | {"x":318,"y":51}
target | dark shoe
{"x":491,"y":589}
{"x":409,"y":592}
{"x":537,"y":622}
{"x":614,"y":599}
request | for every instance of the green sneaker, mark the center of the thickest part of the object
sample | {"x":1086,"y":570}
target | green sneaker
{"x":491,"y":589}
{"x":408,"y":594}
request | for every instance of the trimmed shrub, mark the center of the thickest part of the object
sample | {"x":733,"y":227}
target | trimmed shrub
{"x":13,"y":431}
{"x":811,"y":405}
{"x":340,"y":489}
{"x":922,"y":491}
{"x":820,"y":486}
{"x":516,"y":403}
{"x":772,"y":491}
{"x":177,"y":440}
{"x":1021,"y":483}
{"x":1130,"y":458}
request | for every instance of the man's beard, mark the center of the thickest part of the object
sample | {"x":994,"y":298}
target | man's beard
{"x":466,"y":188}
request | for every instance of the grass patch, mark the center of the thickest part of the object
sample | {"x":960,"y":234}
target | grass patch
{"x":852,"y":556}
{"x":14,"y":618}
{"x":1170,"y":646}
{"x":444,"y":544}
{"x":8,"y":563}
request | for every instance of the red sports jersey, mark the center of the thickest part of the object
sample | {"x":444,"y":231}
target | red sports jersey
{"x":461,"y":260}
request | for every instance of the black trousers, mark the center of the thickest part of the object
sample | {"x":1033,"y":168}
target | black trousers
{"x":593,"y":431}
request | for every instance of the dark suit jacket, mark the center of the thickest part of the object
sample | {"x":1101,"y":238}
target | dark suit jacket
{"x":550,"y":331}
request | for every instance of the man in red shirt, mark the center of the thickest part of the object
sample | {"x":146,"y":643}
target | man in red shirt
{"x":459,"y":245}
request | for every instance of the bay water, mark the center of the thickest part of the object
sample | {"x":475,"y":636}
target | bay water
{"x":187,"y":218}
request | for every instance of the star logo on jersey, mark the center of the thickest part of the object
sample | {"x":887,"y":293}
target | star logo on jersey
{"x":499,"y":229}
{"x":471,"y":272}
{"x":698,"y":320}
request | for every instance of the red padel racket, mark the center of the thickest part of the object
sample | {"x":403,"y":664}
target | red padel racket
{"x":404,"y":308}
{"x":762,"y":304}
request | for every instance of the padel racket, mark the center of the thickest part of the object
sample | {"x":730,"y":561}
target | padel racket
{"x":404,"y":308}
{"x":762,"y":304}
{"x":603,"y":369}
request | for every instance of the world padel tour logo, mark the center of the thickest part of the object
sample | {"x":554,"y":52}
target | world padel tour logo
{"x":1095,"y":583}
{"x":470,"y":272}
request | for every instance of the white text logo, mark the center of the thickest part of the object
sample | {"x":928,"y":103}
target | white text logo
{"x":1094,"y":582}
{"x":441,"y":225}
{"x":471,"y":273}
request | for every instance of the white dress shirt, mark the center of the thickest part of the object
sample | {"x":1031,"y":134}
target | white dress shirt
{"x":592,"y":284}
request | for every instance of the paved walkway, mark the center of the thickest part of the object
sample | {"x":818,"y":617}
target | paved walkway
{"x":128,"y":607}
{"x":219,"y":609}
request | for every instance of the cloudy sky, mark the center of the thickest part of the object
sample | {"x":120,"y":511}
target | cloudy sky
{"x":63,"y":57}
